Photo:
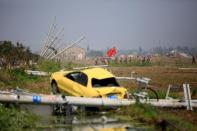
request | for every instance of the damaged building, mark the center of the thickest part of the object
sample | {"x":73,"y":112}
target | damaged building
{"x":73,"y":54}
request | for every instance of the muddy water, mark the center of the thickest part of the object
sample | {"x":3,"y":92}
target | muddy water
{"x":96,"y":122}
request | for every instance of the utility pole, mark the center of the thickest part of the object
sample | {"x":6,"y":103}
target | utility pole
{"x":48,"y":37}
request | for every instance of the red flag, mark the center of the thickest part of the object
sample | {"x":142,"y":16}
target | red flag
{"x":111,"y":52}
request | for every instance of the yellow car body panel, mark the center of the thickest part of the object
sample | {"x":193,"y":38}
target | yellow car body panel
{"x":66,"y":84}
{"x":106,"y":91}
{"x":98,"y":73}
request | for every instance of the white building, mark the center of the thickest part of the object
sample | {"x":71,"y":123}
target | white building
{"x":74,"y":53}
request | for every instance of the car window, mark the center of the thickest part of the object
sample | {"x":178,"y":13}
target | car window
{"x":78,"y":77}
{"x":108,"y":82}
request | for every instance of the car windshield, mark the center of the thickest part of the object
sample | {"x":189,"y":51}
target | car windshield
{"x":108,"y":82}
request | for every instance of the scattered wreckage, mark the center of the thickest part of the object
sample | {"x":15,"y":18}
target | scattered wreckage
{"x":94,"y":87}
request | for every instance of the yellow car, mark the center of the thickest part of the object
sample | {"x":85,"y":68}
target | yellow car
{"x":92,"y":82}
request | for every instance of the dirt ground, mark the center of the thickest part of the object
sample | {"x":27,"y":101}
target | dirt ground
{"x":161,"y":77}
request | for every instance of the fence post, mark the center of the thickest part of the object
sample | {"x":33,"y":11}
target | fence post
{"x":168,"y":91}
{"x":187,"y":96}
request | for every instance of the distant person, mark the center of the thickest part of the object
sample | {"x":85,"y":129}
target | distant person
{"x":144,"y":59}
{"x":116,"y":60}
{"x":193,"y":60}
{"x":96,"y":61}
{"x":148,"y":59}
{"x":130,"y":60}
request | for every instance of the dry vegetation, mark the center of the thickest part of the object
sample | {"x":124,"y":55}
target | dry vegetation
{"x":161,"y":77}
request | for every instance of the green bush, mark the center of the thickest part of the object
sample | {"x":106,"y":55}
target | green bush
{"x":20,"y":75}
{"x":49,"y":65}
{"x":12,"y":119}
{"x":16,"y":77}
{"x":5,"y":77}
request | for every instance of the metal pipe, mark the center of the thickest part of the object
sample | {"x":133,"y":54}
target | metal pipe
{"x":48,"y":37}
{"x":32,"y":99}
{"x":79,"y":101}
{"x":53,"y":41}
{"x":74,"y":43}
{"x":98,"y":101}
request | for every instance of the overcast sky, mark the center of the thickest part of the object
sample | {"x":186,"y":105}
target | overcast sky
{"x":126,"y":24}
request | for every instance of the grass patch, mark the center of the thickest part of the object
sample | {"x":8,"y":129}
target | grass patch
{"x":162,"y":61}
{"x":132,"y":63}
{"x":18,"y":78}
{"x":20,"y":75}
{"x":139,"y":112}
{"x":13,"y":119}
{"x":53,"y":66}
{"x":154,"y":117}
{"x":49,"y":65}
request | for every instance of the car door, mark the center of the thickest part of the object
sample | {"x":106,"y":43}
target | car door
{"x":80,"y":84}
{"x":74,"y":83}
{"x":66,"y":82}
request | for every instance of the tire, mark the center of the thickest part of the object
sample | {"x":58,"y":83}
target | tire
{"x":54,"y":88}
{"x":152,"y":94}
{"x":145,"y":94}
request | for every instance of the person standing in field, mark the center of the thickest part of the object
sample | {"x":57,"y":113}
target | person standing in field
{"x":144,"y":59}
{"x":193,"y":60}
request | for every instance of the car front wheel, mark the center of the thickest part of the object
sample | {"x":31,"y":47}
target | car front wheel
{"x":54,"y":88}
